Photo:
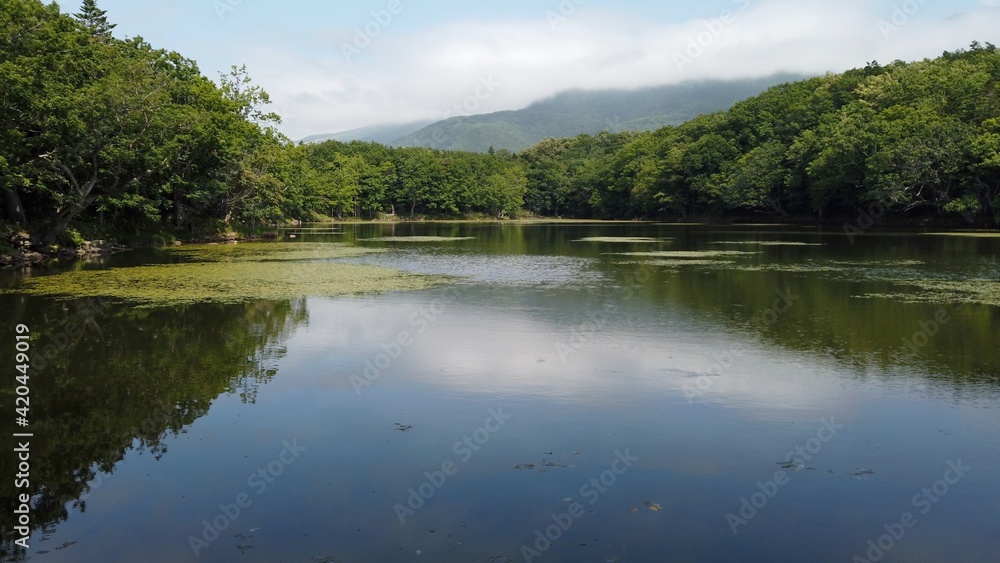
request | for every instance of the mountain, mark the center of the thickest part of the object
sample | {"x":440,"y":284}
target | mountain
{"x":577,"y":112}
{"x":384,"y":134}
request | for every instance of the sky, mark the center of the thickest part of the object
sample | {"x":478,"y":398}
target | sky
{"x":331,"y":66}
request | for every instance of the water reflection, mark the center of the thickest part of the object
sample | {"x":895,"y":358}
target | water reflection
{"x":708,"y":374}
{"x":108,"y":380}
{"x":830,"y":281}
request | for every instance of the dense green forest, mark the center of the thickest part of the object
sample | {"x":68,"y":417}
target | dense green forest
{"x":105,"y":137}
{"x":112,"y":135}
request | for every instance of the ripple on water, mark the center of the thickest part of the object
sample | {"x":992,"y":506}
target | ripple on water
{"x":503,"y":269}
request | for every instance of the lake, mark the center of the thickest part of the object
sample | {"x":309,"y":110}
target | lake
{"x":603,"y":392}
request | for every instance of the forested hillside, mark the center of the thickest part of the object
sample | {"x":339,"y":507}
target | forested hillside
{"x":923,"y":139}
{"x":586,"y":112}
{"x":108,"y":138}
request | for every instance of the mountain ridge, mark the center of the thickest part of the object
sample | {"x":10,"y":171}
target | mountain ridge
{"x":383,"y":134}
{"x":568,"y":114}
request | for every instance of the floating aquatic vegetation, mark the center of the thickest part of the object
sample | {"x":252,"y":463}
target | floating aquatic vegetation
{"x":623,"y":240}
{"x":870,"y":269}
{"x":268,"y":251}
{"x":982,"y":291}
{"x":876,"y":263}
{"x":545,"y":465}
{"x":969,"y":234}
{"x":415,"y":239}
{"x":766,"y":243}
{"x":497,"y":269}
{"x":677,"y":263}
{"x":785,"y":268}
{"x":234,"y":274}
{"x":691,"y":254}
{"x":795,"y":466}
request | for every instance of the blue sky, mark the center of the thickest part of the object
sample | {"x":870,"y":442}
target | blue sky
{"x":332,"y":66}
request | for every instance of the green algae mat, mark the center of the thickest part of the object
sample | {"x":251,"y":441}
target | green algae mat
{"x":234,"y":274}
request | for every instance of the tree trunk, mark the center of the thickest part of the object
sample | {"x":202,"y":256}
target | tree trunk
{"x":178,"y":216}
{"x":15,"y":211}
{"x":776,"y":206}
{"x":64,"y":217}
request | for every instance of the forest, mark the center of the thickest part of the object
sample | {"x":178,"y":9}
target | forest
{"x":104,"y":137}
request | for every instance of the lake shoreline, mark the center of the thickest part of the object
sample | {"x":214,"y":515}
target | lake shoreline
{"x":27,"y":256}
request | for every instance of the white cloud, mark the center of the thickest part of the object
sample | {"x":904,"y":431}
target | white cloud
{"x":422,"y":74}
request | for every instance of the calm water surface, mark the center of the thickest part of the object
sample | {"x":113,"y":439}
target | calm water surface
{"x":560,"y":401}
